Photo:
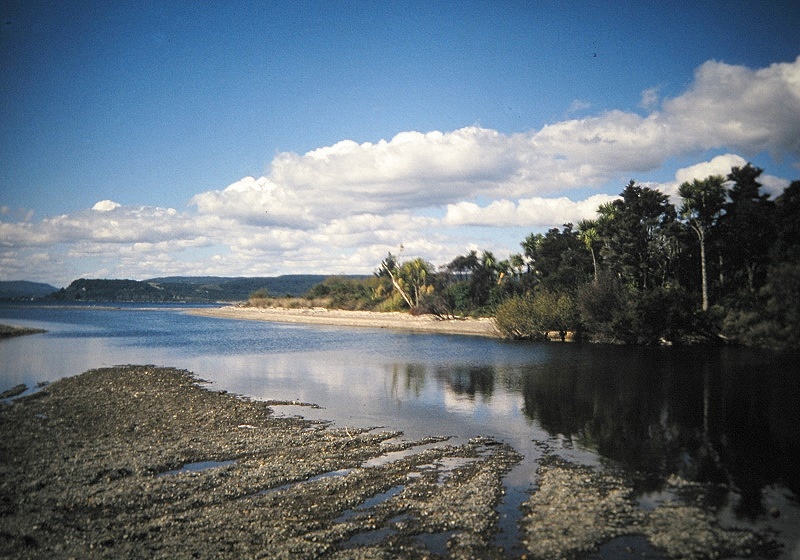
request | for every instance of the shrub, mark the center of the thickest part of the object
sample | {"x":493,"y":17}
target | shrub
{"x":514,"y":318}
{"x":533,"y":317}
{"x":604,"y":310}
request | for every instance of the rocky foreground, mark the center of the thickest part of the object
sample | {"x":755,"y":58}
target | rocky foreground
{"x":144,"y":462}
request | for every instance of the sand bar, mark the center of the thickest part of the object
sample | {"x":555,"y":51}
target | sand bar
{"x":370,"y":319}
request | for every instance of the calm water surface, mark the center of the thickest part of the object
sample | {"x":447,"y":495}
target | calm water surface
{"x":727,"y":416}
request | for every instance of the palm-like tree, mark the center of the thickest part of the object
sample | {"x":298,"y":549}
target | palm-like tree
{"x":587,"y":230}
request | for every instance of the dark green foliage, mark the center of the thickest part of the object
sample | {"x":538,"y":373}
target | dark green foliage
{"x":458,"y":298}
{"x":747,"y":231}
{"x":558,"y":260}
{"x":473,"y":282}
{"x":774,"y":319}
{"x":736,"y":248}
{"x":661,"y":314}
{"x":604,"y":309}
{"x":787,"y":225}
{"x":639,"y":236}
{"x":702,"y":206}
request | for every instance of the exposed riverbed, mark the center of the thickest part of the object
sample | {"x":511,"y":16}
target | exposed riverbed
{"x":144,"y":462}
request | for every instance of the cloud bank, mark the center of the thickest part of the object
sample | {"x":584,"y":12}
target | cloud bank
{"x":340,"y":208}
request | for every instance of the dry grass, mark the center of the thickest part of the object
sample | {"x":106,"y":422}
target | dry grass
{"x":289,"y":302}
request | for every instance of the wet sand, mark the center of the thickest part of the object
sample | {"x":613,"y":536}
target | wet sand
{"x":368,"y":319}
{"x":147,"y":462}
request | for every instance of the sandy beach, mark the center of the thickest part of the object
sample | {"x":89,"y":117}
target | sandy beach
{"x":369,"y":319}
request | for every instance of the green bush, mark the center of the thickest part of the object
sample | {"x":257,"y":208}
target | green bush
{"x":533,"y":317}
{"x":515,"y":319}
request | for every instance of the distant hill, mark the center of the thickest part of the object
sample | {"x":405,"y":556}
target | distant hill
{"x":239,"y":288}
{"x":189,"y":289}
{"x":21,"y":289}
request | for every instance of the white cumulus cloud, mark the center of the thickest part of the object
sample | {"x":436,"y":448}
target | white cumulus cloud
{"x":340,"y":208}
{"x":739,"y":108}
{"x":535,"y":213}
{"x":106,"y":206}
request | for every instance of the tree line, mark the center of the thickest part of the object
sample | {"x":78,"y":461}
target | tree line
{"x":722,"y":266}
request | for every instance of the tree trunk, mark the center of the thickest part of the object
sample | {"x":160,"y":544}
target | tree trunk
{"x":397,"y":286}
{"x":701,"y":237}
{"x":703,"y":273}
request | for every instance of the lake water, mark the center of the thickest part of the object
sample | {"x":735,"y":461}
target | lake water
{"x":721,"y":415}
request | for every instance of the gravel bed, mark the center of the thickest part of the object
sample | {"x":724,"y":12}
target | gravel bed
{"x":576,"y":509}
{"x":83,"y":463}
{"x":147,"y":462}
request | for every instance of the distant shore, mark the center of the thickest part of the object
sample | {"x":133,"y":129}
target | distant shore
{"x":369,"y":319}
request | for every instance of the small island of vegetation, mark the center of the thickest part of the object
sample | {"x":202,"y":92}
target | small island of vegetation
{"x":8,"y":331}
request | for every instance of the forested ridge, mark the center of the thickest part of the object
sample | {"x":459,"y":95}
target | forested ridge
{"x":196,"y":289}
{"x":723,"y":266}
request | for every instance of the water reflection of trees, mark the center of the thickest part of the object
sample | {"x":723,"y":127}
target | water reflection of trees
{"x":407,"y":379}
{"x":707,"y":415}
{"x":468,"y":380}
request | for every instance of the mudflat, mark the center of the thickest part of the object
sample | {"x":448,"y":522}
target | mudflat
{"x":147,"y":462}
{"x":369,"y":319}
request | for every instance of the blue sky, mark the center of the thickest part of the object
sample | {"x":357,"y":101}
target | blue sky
{"x":142,"y":139}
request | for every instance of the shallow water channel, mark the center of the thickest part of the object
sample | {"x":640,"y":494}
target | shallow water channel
{"x":725,"y":416}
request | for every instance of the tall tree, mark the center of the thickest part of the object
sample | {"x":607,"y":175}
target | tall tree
{"x":747,"y":229}
{"x":787,"y":218}
{"x":701,"y":208}
{"x":638,"y":233}
{"x":463,"y":266}
{"x":559,"y":260}
{"x":485,"y":279}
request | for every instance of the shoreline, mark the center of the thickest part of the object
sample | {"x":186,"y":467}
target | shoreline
{"x":364,"y":319}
